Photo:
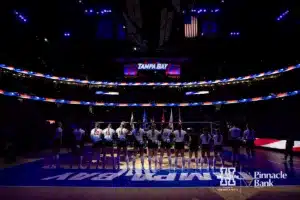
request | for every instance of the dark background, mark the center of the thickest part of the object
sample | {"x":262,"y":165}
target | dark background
{"x":264,"y":44}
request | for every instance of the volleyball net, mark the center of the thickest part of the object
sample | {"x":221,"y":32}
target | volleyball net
{"x":190,"y":127}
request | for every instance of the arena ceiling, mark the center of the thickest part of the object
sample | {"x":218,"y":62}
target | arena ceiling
{"x":36,"y":35}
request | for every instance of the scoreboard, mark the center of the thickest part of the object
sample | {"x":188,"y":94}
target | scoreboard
{"x":166,"y":69}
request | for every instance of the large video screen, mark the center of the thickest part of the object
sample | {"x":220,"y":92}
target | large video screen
{"x":170,"y":70}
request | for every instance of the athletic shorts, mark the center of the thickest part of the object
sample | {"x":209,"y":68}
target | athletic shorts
{"x":122,"y":143}
{"x":130,"y":139}
{"x":78,"y":147}
{"x":152,"y":145}
{"x":109,"y":143}
{"x":179,"y":145}
{"x":98,"y":145}
{"x":218,"y":148}
{"x":250,"y":143}
{"x":235,"y":144}
{"x":56,"y":145}
{"x":194,"y":147}
{"x":165,"y":145}
{"x":139,"y":145}
{"x":205,"y":147}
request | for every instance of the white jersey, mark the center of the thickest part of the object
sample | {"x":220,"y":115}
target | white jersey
{"x":96,"y":134}
{"x":139,"y":134}
{"x":249,"y":134}
{"x":122,"y":132}
{"x":166,"y":135}
{"x":179,"y":135}
{"x":235,"y":133}
{"x":153,"y":135}
{"x":205,"y":139}
{"x":58,"y":133}
{"x":218,"y":139}
{"x":108,"y":134}
{"x":78,"y":133}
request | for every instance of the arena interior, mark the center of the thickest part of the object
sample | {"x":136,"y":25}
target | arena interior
{"x":168,"y":99}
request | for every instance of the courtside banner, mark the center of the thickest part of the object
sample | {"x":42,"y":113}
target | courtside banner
{"x":28,"y":175}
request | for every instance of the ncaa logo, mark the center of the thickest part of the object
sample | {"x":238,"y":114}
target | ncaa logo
{"x":227,"y":176}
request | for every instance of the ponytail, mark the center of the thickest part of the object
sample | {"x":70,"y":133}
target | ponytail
{"x":180,"y":132}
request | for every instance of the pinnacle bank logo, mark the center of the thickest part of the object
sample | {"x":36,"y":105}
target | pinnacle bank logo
{"x":259,"y":179}
{"x":153,"y":66}
{"x":267,"y":179}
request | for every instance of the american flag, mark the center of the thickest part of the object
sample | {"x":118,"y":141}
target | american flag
{"x":179,"y":117}
{"x":171,"y":120}
{"x":132,"y":121}
{"x":163,"y":117}
{"x":191,"y":27}
{"x":145,"y":120}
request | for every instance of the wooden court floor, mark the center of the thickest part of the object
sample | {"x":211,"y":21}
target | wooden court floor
{"x":80,"y":193}
{"x":53,"y":193}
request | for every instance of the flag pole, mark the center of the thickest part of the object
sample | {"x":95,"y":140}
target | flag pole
{"x":132,"y":121}
{"x":171,"y":125}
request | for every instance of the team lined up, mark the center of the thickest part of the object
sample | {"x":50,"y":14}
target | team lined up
{"x":158,"y":143}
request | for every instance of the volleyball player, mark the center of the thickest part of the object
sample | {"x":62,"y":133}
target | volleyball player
{"x":180,"y":138}
{"x":152,"y":135}
{"x":193,"y":149}
{"x":235,"y":136}
{"x":122,"y":144}
{"x":139,"y":144}
{"x":109,"y":134}
{"x":97,"y":139}
{"x":218,"y":147}
{"x":205,"y":148}
{"x":249,"y":137}
{"x":166,"y":137}
{"x":56,"y":145}
{"x":78,"y":146}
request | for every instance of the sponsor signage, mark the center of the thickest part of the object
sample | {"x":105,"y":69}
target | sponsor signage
{"x":226,"y":177}
{"x":128,"y":178}
{"x":152,"y":66}
{"x":170,"y":70}
{"x":124,"y":178}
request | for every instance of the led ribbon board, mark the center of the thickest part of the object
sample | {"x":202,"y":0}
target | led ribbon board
{"x":106,"y":93}
{"x":88,"y":103}
{"x":196,"y":93}
{"x":190,"y":84}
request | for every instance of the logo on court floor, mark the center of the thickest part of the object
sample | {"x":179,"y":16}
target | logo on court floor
{"x":267,"y":179}
{"x":227,"y":176}
{"x":230,"y":179}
